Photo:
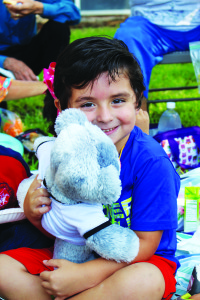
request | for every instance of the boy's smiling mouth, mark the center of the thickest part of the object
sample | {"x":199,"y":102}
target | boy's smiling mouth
{"x":109,"y":129}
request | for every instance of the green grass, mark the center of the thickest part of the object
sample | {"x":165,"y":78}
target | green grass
{"x":175,"y":75}
{"x":30,"y":109}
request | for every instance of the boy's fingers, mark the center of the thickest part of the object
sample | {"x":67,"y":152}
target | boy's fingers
{"x":36,"y":183}
{"x":55,"y":263}
{"x":44,"y":209}
{"x":41,"y":192}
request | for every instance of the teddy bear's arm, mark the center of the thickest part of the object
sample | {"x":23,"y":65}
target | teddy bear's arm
{"x":115,"y":243}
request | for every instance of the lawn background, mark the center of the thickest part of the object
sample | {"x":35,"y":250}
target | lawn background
{"x":30,"y":109}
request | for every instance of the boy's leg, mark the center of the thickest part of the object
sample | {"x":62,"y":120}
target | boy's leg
{"x":17,"y":283}
{"x":140,"y":281}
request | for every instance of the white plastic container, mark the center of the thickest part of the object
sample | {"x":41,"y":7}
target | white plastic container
{"x":170,"y":119}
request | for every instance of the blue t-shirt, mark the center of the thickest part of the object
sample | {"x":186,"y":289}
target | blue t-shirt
{"x":150,"y":187}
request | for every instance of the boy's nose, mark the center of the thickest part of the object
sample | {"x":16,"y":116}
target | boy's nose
{"x":104,"y":115}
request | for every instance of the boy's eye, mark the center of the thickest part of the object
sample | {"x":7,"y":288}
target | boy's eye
{"x":88,"y":104}
{"x":116,"y":101}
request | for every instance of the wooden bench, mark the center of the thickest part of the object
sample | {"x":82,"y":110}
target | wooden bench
{"x":174,"y":58}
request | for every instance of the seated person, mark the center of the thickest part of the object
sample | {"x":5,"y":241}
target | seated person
{"x":159,"y":27}
{"x":104,"y":80}
{"x":25,"y":52}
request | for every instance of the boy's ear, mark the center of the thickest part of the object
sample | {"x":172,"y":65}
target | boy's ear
{"x":57,"y":104}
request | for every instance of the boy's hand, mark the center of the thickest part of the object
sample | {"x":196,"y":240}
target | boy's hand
{"x":65,"y":280}
{"x":36,"y":203}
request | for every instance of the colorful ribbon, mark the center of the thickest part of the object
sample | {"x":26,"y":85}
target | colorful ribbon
{"x":49,"y":78}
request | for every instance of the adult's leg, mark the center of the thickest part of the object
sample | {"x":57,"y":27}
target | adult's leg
{"x":44,"y":48}
{"x":149,"y":42}
{"x":141,"y":281}
{"x":141,"y":37}
{"x":16,"y":283}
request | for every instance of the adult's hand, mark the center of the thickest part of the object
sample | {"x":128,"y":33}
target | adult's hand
{"x":36,"y":203}
{"x":21,"y":8}
{"x":19,"y":69}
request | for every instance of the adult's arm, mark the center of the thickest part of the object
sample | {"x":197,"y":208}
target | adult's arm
{"x":22,"y":89}
{"x":71,"y":278}
{"x":57,"y":10}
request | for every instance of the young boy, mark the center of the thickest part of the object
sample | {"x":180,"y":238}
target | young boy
{"x":99,"y":76}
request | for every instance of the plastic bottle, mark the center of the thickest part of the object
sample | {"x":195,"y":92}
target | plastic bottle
{"x":170,"y":119}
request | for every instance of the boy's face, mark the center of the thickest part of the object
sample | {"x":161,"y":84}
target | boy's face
{"x":110,"y":106}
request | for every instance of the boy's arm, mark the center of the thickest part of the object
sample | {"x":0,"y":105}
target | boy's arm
{"x":84,"y":276}
{"x":36,"y":203}
{"x":149,"y":242}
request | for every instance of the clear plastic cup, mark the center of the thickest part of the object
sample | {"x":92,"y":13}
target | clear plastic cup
{"x":195,"y":56}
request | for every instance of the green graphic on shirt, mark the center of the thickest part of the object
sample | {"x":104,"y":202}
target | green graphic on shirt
{"x":119,"y":214}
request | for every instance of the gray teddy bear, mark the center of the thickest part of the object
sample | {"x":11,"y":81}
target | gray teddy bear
{"x":81,"y":172}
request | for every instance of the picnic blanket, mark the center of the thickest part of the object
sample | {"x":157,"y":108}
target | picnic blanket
{"x":188,"y":245}
{"x":188,"y":254}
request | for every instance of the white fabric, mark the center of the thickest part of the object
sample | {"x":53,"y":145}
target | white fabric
{"x":70,"y":222}
{"x":43,"y":154}
{"x":67,"y":222}
{"x":11,"y":215}
{"x":181,"y":15}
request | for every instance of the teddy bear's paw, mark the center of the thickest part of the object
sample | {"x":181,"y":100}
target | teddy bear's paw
{"x":115,"y":242}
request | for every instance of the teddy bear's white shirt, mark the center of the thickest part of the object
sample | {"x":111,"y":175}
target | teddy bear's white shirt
{"x":68,"y":222}
{"x":71,"y":222}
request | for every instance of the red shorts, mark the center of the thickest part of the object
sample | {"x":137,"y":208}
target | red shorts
{"x":32,"y":259}
{"x":168,"y":270}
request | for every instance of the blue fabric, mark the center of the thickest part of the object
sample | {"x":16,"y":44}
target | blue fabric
{"x":22,"y":234}
{"x":150,"y":187}
{"x":149,"y":42}
{"x":20,"y":32}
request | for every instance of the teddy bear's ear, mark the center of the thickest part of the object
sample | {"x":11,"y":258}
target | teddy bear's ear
{"x":69,"y":116}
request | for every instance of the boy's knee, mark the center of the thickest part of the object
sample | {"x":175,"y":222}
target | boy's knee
{"x":138,"y":281}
